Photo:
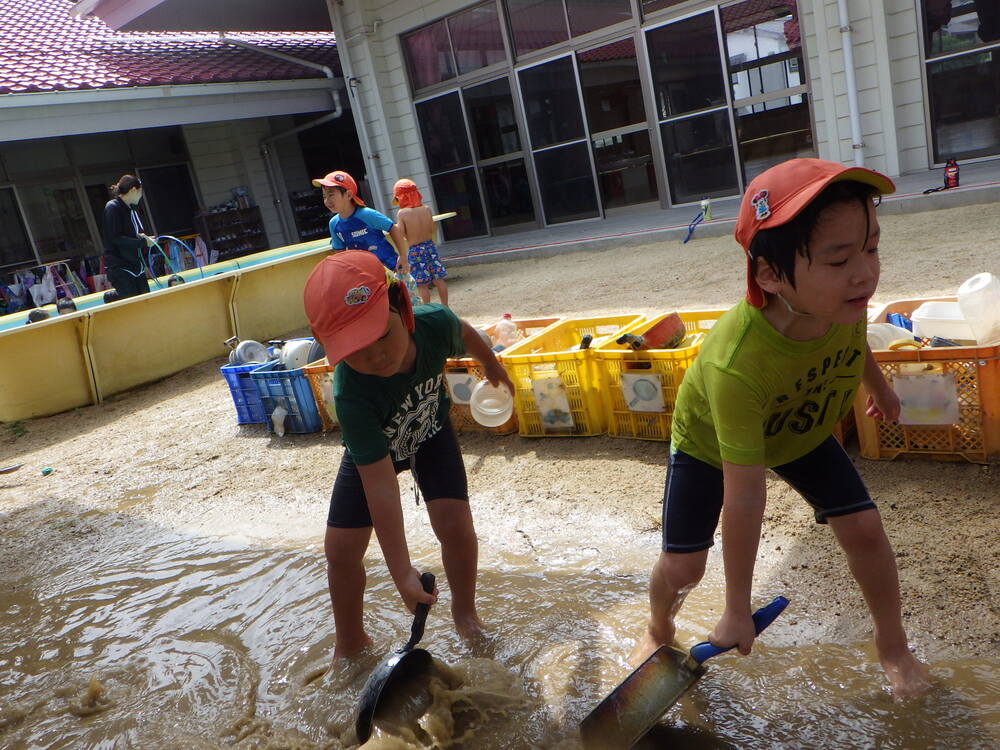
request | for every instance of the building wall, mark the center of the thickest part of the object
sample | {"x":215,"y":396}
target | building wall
{"x":887,"y":70}
{"x":225,"y":155}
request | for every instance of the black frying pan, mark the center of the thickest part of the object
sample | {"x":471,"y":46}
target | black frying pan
{"x":403,"y":670}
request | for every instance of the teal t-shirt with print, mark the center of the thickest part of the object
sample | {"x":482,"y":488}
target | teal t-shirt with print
{"x":392,"y":416}
{"x":754,"y":396}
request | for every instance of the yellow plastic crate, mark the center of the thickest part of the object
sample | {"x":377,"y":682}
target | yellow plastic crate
{"x":552,"y":368}
{"x":647,"y":414}
{"x":320,"y":377}
{"x":461,"y":416}
{"x":976,"y":371}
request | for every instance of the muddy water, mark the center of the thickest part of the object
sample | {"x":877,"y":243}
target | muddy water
{"x":150,"y":637}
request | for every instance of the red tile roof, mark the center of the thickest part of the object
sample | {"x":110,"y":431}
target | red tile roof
{"x":43,"y":48}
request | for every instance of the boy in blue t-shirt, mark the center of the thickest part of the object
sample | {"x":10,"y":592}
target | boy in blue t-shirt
{"x":354,"y":226}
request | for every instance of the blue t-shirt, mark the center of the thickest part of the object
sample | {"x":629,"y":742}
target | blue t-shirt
{"x":363,"y":230}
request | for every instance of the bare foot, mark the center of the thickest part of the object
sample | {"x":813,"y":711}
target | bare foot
{"x":908,"y":677}
{"x":647,"y":644}
{"x":468,"y":626}
{"x":349,"y":649}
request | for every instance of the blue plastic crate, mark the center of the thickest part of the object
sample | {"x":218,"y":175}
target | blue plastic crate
{"x":246,"y":396}
{"x":290,"y":389}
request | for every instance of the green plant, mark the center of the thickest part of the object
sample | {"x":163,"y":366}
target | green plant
{"x":17,"y":429}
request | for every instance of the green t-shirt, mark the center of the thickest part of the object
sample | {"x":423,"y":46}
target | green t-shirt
{"x":392,"y":416}
{"x":754,"y":396}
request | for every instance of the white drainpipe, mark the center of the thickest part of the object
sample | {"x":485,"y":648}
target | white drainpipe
{"x":857,"y":145}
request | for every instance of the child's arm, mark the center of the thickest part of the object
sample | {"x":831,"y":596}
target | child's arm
{"x":883,"y":403}
{"x":382,"y":492}
{"x":743,"y":499}
{"x":399,"y":240}
{"x":476,"y":348}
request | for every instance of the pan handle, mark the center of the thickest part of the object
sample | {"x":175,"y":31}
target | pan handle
{"x":420,"y":616}
{"x":761,"y":619}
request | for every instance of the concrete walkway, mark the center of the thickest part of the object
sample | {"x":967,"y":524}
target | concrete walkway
{"x":638,"y":225}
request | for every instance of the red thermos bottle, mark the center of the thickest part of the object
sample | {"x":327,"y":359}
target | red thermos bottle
{"x":951,"y":174}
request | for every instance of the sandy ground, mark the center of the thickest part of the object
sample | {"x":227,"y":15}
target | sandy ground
{"x":180,"y":434}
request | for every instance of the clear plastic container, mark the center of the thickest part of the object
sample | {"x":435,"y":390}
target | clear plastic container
{"x":979,"y":300}
{"x":505,"y":332}
{"x":491,"y":405}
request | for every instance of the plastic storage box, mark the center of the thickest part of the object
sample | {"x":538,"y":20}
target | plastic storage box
{"x":558,"y":383}
{"x":971,"y":376}
{"x":639,"y":388}
{"x":289,"y":389}
{"x":941,"y":318}
{"x":246,"y":397}
{"x":320,"y":376}
{"x":462,"y":374}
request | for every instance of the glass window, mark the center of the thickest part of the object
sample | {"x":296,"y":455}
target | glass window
{"x":458,"y":192}
{"x":475,"y":35}
{"x":685,"y":61}
{"x":625,"y":169}
{"x":763,"y":45}
{"x":552,"y":103}
{"x":536,"y":23}
{"x":508,"y":195}
{"x":699,"y":155}
{"x":15,"y":247}
{"x":587,"y":15}
{"x":171,"y":198}
{"x":773,"y":134}
{"x":965,"y":126}
{"x":491,"y":118}
{"x":955,"y":25}
{"x":612,"y":94}
{"x":443,"y":129}
{"x":55,"y":215}
{"x":566,"y":183}
{"x":428,"y":54}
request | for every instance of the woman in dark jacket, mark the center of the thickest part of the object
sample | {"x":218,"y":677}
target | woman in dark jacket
{"x":125,"y":242}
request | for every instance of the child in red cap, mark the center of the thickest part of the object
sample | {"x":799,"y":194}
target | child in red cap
{"x":773,"y":378}
{"x":354,"y":226}
{"x":417,"y":224}
{"x":393,"y":410}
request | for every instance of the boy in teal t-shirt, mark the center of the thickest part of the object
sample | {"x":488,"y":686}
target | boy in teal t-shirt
{"x":393,"y":411}
{"x":773,"y":377}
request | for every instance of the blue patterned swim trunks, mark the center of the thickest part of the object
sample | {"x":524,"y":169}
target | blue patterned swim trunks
{"x":425,"y":265}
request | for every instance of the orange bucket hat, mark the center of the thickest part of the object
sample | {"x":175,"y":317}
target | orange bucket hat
{"x":405,"y":194}
{"x":779,"y":194}
{"x":346,"y":298}
{"x":342,"y":180}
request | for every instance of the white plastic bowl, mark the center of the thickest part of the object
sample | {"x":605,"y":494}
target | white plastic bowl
{"x":491,"y":406}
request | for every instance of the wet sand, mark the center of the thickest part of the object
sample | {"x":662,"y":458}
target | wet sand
{"x":176,"y":558}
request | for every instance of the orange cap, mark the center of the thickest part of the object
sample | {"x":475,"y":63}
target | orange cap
{"x":405,"y":194}
{"x":779,"y":194}
{"x":342,"y":180}
{"x":346,"y":302}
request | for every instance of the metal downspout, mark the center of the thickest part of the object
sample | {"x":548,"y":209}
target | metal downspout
{"x":371,"y":158}
{"x":847,"y":44}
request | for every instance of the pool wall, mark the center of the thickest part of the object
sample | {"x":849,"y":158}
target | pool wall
{"x":82,"y":358}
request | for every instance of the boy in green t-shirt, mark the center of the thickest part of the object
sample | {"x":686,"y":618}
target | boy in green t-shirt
{"x":774,"y":376}
{"x":393,"y":410}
